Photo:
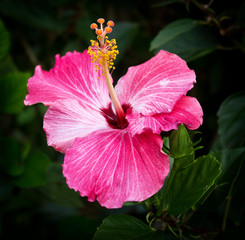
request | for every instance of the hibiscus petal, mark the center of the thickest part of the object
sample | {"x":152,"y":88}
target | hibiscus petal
{"x":115,"y":167}
{"x":187,"y":110}
{"x":156,"y":85}
{"x":67,"y":119}
{"x":73,"y":77}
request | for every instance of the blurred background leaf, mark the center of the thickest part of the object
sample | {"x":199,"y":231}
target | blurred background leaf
{"x":4,"y":41}
{"x":124,"y":33}
{"x":13,"y":156}
{"x":186,"y":38}
{"x":35,"y":201}
{"x":35,"y":171}
{"x":34,"y":14}
{"x":83,"y":31}
{"x":57,"y":191}
{"x":231,"y":119}
{"x":12,"y":91}
{"x":230,"y":159}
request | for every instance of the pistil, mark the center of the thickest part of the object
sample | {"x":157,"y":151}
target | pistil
{"x":103,"y":53}
{"x":114,"y":99}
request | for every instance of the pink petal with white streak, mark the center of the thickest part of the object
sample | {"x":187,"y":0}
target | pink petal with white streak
{"x":187,"y":111}
{"x":156,"y":85}
{"x":73,"y":77}
{"x":68,"y":119}
{"x":114,"y":167}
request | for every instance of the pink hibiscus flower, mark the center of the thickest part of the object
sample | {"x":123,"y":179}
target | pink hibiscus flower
{"x":111,"y":137}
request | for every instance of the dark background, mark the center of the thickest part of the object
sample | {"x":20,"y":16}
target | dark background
{"x":34,"y":199}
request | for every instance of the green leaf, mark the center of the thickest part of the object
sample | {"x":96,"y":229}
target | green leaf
{"x":186,"y":38}
{"x":12,"y":92}
{"x":7,"y":65}
{"x":181,"y":152}
{"x":124,"y":227}
{"x":231,"y":160}
{"x":171,"y":31}
{"x":13,"y":155}
{"x":26,"y":116}
{"x":229,"y":189}
{"x":187,"y":185}
{"x":35,"y":171}
{"x":228,"y":182}
{"x":231,"y":119}
{"x":4,"y":41}
{"x":56,"y":189}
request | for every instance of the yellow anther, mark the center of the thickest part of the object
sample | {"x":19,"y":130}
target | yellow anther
{"x":103,"y":51}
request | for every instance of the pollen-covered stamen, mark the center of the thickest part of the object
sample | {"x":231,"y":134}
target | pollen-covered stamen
{"x":102,"y":31}
{"x":103,"y":52}
{"x":101,"y":20}
{"x":99,"y":32}
{"x":108,"y":29}
{"x":93,"y":26}
{"x":103,"y":49}
{"x":110,"y":23}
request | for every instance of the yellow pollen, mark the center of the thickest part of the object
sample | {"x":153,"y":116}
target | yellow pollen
{"x":103,"y":50}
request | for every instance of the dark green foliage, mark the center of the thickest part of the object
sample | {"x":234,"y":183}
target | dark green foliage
{"x":125,"y":227}
{"x":13,"y":91}
{"x":203,"y":196}
{"x":231,"y":117}
{"x":187,"y":38}
{"x":4,"y":41}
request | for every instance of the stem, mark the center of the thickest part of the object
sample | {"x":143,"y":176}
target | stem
{"x":160,"y":209}
{"x":208,"y":11}
{"x":114,"y":99}
{"x":188,"y":217}
{"x":174,"y":233}
{"x":210,"y":3}
{"x":227,"y":208}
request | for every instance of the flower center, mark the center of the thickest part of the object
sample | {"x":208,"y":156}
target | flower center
{"x":112,"y":118}
{"x":103,"y":52}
